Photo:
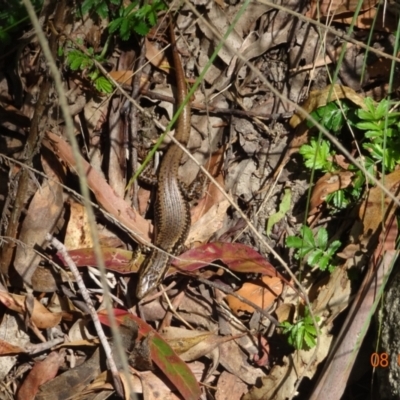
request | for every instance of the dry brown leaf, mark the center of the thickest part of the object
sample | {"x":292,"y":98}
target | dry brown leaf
{"x":285,"y":312}
{"x":212,"y":195}
{"x":122,"y":77}
{"x":7,"y":348}
{"x":327,"y":184}
{"x":372,"y":212}
{"x":78,"y":234}
{"x":280,"y":382}
{"x":229,"y":387}
{"x":40,"y":315}
{"x":42,"y":372}
{"x":191,"y":345}
{"x":71,"y":381}
{"x":373,"y":17}
{"x":106,"y":197}
{"x":235,"y":361}
{"x":181,"y":340}
{"x":157,"y":57}
{"x":320,"y":98}
{"x":42,"y":216}
{"x":336,"y":8}
{"x":256,"y":293}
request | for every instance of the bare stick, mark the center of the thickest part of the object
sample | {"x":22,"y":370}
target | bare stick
{"x":85,"y":294}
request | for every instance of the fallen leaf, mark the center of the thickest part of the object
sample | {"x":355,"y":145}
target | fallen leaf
{"x":373,"y":213}
{"x":284,"y":207}
{"x":77,"y":234}
{"x":42,"y":372}
{"x":326,"y":185}
{"x":73,"y":381}
{"x":117,"y":260}
{"x":162,"y":355}
{"x":261,"y":295}
{"x":40,"y":316}
{"x":7,"y":348}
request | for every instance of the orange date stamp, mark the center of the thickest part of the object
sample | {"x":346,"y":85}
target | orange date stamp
{"x":382,"y":360}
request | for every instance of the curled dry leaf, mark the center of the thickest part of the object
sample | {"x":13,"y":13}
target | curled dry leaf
{"x":259,"y":294}
{"x":40,"y":315}
{"x":285,"y":312}
{"x":372,"y":213}
{"x":326,"y":185}
{"x":191,"y":345}
{"x":320,"y":98}
{"x":7,"y":348}
{"x":43,"y":213}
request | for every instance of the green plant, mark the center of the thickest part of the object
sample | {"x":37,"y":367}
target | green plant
{"x":316,"y":251}
{"x":125,"y":21}
{"x":331,"y":116}
{"x":381,"y":140}
{"x":133,"y":19}
{"x":302,"y":334}
{"x":318,"y":155}
{"x":77,"y":59}
{"x":100,"y":7}
{"x":382,"y":129}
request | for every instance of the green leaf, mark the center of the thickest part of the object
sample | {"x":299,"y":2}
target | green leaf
{"x":331,"y":116}
{"x":382,"y":109}
{"x":315,"y":257}
{"x":284,"y":207}
{"x":124,"y":30}
{"x":310,"y":340}
{"x":370,"y":125}
{"x":114,"y":25}
{"x":294,"y":242}
{"x":302,"y":253}
{"x":98,"y":6}
{"x":299,"y":339}
{"x":316,"y":155}
{"x":323,"y":262}
{"x":307,"y":235}
{"x":338,"y":199}
{"x":321,"y":239}
{"x":302,"y":334}
{"x":286,"y":326}
{"x":334,"y":247}
{"x":102,"y":84}
{"x":78,"y":60}
{"x":141,"y":28}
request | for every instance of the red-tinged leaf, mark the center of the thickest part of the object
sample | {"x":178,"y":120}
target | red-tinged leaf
{"x":162,"y":355}
{"x":9,"y":349}
{"x":116,"y":260}
{"x":42,"y":372}
{"x":237,"y":257}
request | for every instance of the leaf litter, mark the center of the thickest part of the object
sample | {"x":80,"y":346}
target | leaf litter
{"x":205,"y":340}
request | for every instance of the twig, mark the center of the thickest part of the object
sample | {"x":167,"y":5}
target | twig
{"x":85,"y":294}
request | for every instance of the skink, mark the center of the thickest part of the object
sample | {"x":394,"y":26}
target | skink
{"x":172,"y":211}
